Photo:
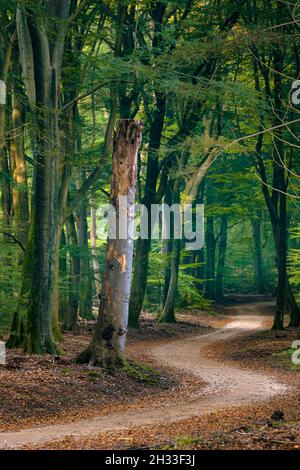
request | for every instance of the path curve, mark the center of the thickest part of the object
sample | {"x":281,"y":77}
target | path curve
{"x":226,"y":385}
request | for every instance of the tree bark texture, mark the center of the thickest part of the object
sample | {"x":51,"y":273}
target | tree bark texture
{"x":221,"y":258}
{"x":35,"y":325}
{"x":108,"y":344}
{"x":258,"y":263}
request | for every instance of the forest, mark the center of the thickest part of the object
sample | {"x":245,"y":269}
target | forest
{"x":149,"y":226}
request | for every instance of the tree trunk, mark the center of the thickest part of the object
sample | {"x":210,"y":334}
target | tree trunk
{"x":141,"y":260}
{"x":108,"y":344}
{"x":221,"y":258}
{"x":139,"y":283}
{"x":200,"y":271}
{"x":168,"y":313}
{"x":6,"y":199}
{"x":20,"y":189}
{"x":6,"y":196}
{"x":63,"y":277}
{"x":143,"y":246}
{"x":71,"y":314}
{"x":5,"y":169}
{"x":96,"y":265}
{"x":39,"y":291}
{"x":86,"y":282}
{"x":276,"y":199}
{"x":167,"y":247}
{"x":171,"y":279}
{"x":44,"y":239}
{"x":258,"y":263}
{"x":281,"y":260}
{"x":210,"y":259}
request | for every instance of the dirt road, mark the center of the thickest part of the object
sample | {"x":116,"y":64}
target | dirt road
{"x":226,"y":385}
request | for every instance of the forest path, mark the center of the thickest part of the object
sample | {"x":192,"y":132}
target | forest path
{"x":226,"y":385}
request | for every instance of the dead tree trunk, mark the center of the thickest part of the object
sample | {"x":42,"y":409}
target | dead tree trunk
{"x":108,"y":343}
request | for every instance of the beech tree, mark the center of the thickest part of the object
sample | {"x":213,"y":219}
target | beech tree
{"x":72,"y":69}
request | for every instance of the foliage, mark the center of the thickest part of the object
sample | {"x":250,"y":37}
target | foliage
{"x":10,"y":282}
{"x":294,"y":261}
{"x":203,"y":72}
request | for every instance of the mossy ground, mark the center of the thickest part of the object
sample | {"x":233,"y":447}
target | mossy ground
{"x":285,"y":358}
{"x":141,"y":373}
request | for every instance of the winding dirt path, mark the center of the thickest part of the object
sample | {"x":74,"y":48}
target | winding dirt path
{"x":226,"y":385}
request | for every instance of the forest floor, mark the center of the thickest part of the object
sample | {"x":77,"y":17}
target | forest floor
{"x":211,"y":382}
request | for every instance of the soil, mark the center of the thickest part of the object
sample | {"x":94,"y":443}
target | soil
{"x":210,"y":392}
{"x":37,"y":390}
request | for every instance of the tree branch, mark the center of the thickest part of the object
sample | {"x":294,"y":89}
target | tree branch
{"x":14,"y":238}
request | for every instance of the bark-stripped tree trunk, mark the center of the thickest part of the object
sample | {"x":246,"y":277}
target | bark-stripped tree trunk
{"x":143,"y":246}
{"x":108,"y":344}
